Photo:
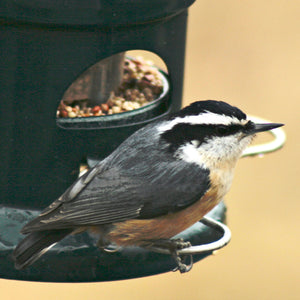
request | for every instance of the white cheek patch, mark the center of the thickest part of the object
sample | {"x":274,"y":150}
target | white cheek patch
{"x":207,"y":118}
{"x":214,"y":151}
{"x":195,"y":143}
{"x":226,"y":148}
{"x":190,"y":153}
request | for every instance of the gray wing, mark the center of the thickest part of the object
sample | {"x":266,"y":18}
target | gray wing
{"x":126,"y":186}
{"x":108,"y":196}
{"x":95,"y":198}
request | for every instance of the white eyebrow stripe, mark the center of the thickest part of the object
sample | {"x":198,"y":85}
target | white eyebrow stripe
{"x":204,"y":118}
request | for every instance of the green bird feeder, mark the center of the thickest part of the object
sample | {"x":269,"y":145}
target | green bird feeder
{"x":46,"y":46}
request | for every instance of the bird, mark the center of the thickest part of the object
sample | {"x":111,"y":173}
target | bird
{"x":161,"y":180}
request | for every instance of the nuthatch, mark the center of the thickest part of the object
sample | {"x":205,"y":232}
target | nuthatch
{"x":160,"y":181}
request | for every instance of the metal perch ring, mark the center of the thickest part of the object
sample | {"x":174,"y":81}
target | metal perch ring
{"x":205,"y":248}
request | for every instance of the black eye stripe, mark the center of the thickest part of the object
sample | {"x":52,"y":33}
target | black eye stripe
{"x":183,"y":133}
{"x":248,"y":126}
{"x":222,"y":130}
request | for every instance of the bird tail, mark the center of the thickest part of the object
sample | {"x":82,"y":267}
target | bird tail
{"x":35,"y":244}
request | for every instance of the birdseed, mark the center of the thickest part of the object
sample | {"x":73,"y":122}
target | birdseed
{"x":141,"y":84}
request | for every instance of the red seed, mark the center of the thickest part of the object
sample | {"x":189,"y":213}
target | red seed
{"x":63,"y":113}
{"x":104,"y":107}
{"x":148,"y":77}
{"x":96,"y":109}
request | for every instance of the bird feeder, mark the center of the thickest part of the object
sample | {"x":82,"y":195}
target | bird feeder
{"x":46,"y":46}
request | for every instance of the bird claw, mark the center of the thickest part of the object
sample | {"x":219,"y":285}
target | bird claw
{"x":107,"y":247}
{"x":182,"y":267}
{"x":111,"y":250}
{"x":173,"y":246}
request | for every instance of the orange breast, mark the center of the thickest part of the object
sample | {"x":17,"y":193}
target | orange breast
{"x":134,"y":232}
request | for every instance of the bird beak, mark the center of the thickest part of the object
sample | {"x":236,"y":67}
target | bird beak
{"x":255,"y":128}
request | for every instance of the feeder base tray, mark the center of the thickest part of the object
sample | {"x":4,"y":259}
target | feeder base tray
{"x":77,"y":259}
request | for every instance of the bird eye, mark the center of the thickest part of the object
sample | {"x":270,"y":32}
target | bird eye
{"x":222,"y":130}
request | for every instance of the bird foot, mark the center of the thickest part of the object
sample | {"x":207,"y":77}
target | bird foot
{"x":173,"y":246}
{"x":182,"y":266}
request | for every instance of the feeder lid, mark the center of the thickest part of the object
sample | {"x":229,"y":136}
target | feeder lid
{"x":90,"y":12}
